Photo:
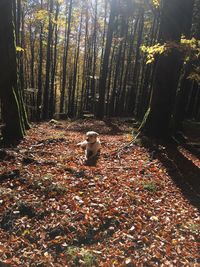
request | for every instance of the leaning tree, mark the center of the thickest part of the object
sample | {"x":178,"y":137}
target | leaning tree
{"x":13,"y":113}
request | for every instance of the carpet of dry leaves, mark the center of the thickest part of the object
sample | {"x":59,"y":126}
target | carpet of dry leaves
{"x":126,"y":211}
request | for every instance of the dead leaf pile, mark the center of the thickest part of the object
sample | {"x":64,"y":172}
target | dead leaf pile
{"x":126,"y":211}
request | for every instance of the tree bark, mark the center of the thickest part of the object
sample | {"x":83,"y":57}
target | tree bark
{"x":104,"y":71}
{"x":65,"y":56}
{"x":167,"y":72}
{"x":39,"y":93}
{"x":54,"y":65}
{"x":45,"y":111}
{"x":12,"y":112}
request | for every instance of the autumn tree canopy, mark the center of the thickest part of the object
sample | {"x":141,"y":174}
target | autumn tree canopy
{"x":99,"y":58}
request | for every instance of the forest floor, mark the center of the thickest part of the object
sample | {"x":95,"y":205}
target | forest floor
{"x":133,"y":209}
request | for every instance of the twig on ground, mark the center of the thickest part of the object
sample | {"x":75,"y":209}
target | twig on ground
{"x":130,"y":143}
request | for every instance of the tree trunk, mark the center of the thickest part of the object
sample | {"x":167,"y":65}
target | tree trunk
{"x":53,"y":69}
{"x":135,"y":78}
{"x":94,"y":43}
{"x":186,"y":84}
{"x":167,"y":72}
{"x":39,"y":94}
{"x":83,"y":89}
{"x":104,"y":71}
{"x":65,"y":56}
{"x":9,"y":92}
{"x":72,"y":103}
{"x":45,"y":111}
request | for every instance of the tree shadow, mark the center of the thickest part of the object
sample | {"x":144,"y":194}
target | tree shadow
{"x":106,"y":126}
{"x":184,"y":173}
{"x":193,"y":148}
{"x":191,"y":132}
{"x":9,"y":143}
{"x":113,"y":127}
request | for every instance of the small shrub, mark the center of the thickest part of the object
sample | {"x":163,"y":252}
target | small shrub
{"x":80,"y":257}
{"x":194,"y":227}
{"x":55,"y":188}
{"x":150,"y":186}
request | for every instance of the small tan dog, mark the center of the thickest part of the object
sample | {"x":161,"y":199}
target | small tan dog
{"x":92,"y":147}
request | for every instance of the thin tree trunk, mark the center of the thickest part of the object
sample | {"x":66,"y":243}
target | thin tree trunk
{"x":32,"y":45}
{"x":53,"y":70}
{"x":103,"y":75}
{"x":65,"y":56}
{"x":72,"y":103}
{"x":39,"y":93}
{"x":45,"y":111}
{"x":136,"y":70}
{"x":94,"y":41}
{"x":83,"y":90}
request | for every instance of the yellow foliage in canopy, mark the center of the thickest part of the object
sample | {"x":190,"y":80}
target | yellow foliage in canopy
{"x":191,"y":48}
{"x":192,"y":43}
{"x":60,"y":1}
{"x":152,"y":51}
{"x":41,"y":15}
{"x":156,"y":3}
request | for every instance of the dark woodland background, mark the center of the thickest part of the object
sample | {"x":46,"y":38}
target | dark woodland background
{"x":74,"y":58}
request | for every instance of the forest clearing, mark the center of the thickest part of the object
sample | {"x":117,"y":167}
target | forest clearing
{"x":128,"y":210}
{"x":99,"y":133}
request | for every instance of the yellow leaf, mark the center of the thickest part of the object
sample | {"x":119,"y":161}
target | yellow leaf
{"x":154,"y":218}
{"x":174,"y":242}
{"x":19,"y":49}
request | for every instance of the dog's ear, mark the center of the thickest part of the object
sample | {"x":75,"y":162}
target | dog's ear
{"x":95,"y":133}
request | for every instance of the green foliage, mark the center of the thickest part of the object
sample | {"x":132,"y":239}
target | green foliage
{"x":80,"y":257}
{"x":72,"y":255}
{"x":150,"y":186}
{"x":193,"y":227}
{"x":55,"y":188}
{"x":48,"y":186}
{"x":190,"y":227}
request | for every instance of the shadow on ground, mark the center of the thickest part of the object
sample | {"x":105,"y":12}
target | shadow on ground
{"x":184,"y":173}
{"x":106,"y":127}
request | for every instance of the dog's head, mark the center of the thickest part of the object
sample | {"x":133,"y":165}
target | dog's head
{"x":91,"y":137}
